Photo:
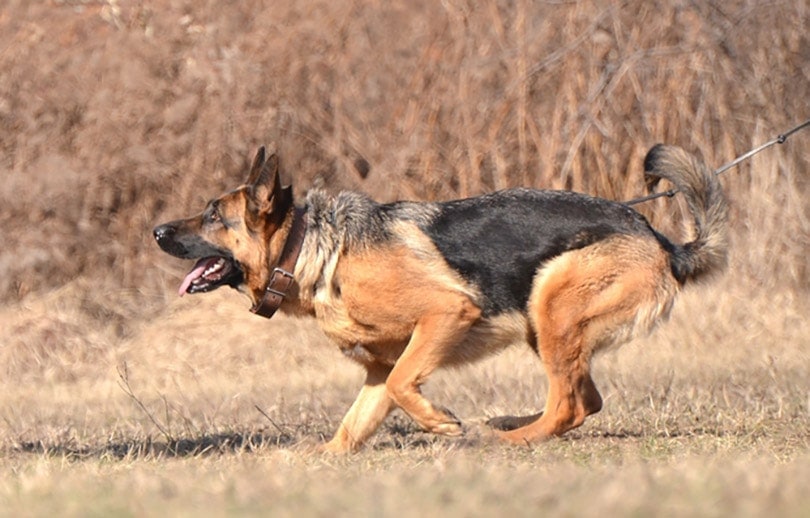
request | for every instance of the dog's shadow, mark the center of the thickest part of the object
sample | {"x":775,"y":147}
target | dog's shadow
{"x":169,"y":447}
{"x":398,"y":435}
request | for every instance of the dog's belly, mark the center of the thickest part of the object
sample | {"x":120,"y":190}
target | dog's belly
{"x":373,"y":302}
{"x":384,"y":343}
{"x":490,"y":336}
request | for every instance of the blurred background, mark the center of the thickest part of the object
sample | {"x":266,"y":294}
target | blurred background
{"x":117,"y":115}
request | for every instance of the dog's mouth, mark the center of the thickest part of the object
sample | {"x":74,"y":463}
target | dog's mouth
{"x":210,"y":273}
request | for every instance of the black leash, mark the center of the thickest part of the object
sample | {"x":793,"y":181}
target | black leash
{"x":780,"y":139}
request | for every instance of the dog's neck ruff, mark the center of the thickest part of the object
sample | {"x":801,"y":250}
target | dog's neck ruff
{"x":281,"y":278}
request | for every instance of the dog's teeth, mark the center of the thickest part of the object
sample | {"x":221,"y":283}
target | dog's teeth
{"x":214,"y":268}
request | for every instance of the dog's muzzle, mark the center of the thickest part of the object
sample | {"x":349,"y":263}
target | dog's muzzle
{"x":165,"y":237}
{"x":214,"y":267}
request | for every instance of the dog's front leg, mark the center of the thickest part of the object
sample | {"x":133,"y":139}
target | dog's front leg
{"x":433,"y":343}
{"x":366,"y":414}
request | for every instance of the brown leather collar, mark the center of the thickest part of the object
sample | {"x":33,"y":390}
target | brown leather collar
{"x":281,"y":278}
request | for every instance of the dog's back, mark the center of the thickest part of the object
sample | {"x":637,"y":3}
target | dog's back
{"x":499,"y":241}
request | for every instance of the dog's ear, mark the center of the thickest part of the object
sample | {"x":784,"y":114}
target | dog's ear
{"x":256,"y":167}
{"x":264,"y":182}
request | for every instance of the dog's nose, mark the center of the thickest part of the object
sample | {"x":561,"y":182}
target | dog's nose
{"x":163,"y":232}
{"x":169,"y":237}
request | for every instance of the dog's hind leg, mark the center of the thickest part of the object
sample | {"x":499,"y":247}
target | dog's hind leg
{"x":366,"y":414}
{"x":581,"y":302}
{"x":434,"y":339}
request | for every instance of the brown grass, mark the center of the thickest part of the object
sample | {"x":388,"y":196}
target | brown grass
{"x":116,"y":116}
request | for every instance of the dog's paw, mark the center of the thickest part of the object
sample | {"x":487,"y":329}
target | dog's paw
{"x":450,"y":429}
{"x":451,"y":425}
{"x":336,"y":447}
{"x":333,"y":449}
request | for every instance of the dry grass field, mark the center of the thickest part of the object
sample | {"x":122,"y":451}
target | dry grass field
{"x":118,"y":398}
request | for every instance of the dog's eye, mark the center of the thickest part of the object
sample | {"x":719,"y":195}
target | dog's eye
{"x":213,"y":215}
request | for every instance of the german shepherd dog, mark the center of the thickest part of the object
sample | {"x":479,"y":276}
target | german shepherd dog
{"x":404,"y":288}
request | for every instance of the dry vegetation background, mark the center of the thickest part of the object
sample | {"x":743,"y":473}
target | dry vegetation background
{"x":115,"y":397}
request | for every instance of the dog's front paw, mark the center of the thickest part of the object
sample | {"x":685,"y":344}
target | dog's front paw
{"x":449,"y":429}
{"x":336,"y":447}
{"x":450,"y":425}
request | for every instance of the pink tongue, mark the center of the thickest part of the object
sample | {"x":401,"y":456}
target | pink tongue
{"x":195,"y":273}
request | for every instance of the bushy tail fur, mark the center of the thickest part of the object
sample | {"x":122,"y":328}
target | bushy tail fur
{"x":707,"y":252}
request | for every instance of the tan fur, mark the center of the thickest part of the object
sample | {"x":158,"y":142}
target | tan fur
{"x":245,"y":244}
{"x":389,"y":317}
{"x":582,"y":302}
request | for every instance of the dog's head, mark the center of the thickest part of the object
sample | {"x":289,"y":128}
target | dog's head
{"x":235,"y":239}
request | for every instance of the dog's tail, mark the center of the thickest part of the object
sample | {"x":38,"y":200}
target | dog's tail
{"x":707,"y":252}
